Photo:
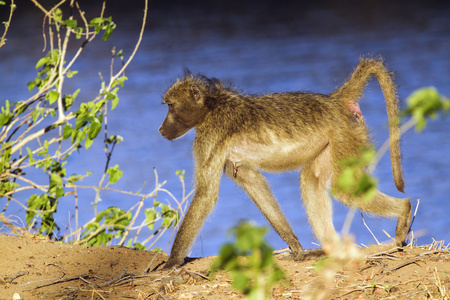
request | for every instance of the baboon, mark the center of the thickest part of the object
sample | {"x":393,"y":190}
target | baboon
{"x":241,"y":135}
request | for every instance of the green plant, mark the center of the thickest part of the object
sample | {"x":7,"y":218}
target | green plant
{"x":257,"y":272}
{"x":27,"y":138}
{"x":352,"y":181}
{"x":425,"y":103}
{"x":422,"y":104}
{"x":38,"y":135}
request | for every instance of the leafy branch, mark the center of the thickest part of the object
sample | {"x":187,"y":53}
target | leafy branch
{"x":255,"y":274}
{"x":7,"y":24}
{"x":38,"y":135}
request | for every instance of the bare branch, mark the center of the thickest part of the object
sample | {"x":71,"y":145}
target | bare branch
{"x":41,"y":132}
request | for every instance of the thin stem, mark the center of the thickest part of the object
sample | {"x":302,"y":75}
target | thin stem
{"x":364,"y":222}
{"x":7,"y":23}
{"x":136,"y":47}
{"x":384,"y":148}
{"x":41,"y":132}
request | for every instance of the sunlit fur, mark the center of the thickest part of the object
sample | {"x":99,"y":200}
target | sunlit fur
{"x":242,"y":135}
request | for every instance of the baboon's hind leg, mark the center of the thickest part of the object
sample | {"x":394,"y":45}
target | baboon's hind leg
{"x":347,"y":143}
{"x":387,"y":206}
{"x":315,"y":196}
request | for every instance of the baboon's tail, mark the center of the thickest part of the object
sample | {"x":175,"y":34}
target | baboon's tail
{"x":352,"y":90}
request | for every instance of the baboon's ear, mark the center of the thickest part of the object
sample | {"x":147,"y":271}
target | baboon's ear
{"x":196,"y":94}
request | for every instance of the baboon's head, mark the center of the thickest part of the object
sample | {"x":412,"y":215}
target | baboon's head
{"x":186,"y":102}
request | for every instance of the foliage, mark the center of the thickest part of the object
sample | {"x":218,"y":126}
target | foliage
{"x":117,"y":220}
{"x":255,"y":274}
{"x":351,"y":180}
{"x":40,"y":134}
{"x":425,"y":103}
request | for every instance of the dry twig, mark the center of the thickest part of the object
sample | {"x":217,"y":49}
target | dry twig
{"x":414,"y":261}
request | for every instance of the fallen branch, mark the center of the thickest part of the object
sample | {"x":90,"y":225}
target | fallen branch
{"x":414,"y":261}
{"x":62,"y":280}
{"x":17,"y":275}
{"x":387,"y":253}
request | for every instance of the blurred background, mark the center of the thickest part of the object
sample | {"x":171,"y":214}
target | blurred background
{"x":260,"y":47}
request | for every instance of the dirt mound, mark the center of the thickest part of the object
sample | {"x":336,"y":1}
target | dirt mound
{"x":35,"y":268}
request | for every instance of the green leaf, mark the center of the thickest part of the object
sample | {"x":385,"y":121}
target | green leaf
{"x":88,"y":143}
{"x":7,"y":187}
{"x":249,"y":236}
{"x":19,"y":110}
{"x":30,"y":156}
{"x":139,"y":246}
{"x":346,"y":179}
{"x":94,"y":129}
{"x":425,"y":103}
{"x":120,"y":81}
{"x":255,"y":275}
{"x":70,"y":99}
{"x":241,"y":281}
{"x":353,"y":178}
{"x":114,"y":102}
{"x":5,"y":118}
{"x":114,"y":174}
{"x":42,"y":61}
{"x":73,"y":178}
{"x":321,"y":264}
{"x":367,"y":188}
{"x":58,"y":15}
{"x":6,"y":115}
{"x":54,"y":57}
{"x":52,"y":96}
{"x":150,"y":217}
{"x":71,"y":73}
{"x":67,"y":131}
{"x":31,"y":85}
{"x":78,"y":136}
{"x":114,"y":139}
{"x":70,"y":23}
{"x":83,"y":120}
{"x":113,"y":97}
{"x":96,"y":21}
{"x":52,"y":112}
{"x":109,"y":29}
{"x":275,"y":276}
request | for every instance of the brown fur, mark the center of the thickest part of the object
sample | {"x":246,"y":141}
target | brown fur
{"x":243,"y":134}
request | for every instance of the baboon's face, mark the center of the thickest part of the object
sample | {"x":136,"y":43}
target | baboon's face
{"x":186,"y":110}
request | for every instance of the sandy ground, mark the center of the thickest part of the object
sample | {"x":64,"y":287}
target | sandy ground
{"x":35,"y":268}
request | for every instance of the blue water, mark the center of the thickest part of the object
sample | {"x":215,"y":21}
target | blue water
{"x":260,"y":53}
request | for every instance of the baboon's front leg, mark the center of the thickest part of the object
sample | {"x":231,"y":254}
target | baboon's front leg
{"x":203,"y":202}
{"x":254,"y":183}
